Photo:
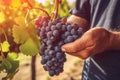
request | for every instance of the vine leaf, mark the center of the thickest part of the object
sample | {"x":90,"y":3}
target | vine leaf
{"x":29,"y":47}
{"x":26,"y":36}
{"x":5,"y":46}
{"x":10,"y":65}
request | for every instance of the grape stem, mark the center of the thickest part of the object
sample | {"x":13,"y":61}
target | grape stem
{"x":43,"y":11}
{"x":26,"y":16}
{"x":56,"y":9}
{"x":1,"y":49}
{"x":31,"y":6}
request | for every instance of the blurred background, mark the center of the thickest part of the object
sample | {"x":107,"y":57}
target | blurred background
{"x":10,"y":9}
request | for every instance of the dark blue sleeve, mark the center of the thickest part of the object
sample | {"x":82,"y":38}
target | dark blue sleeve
{"x":81,"y":9}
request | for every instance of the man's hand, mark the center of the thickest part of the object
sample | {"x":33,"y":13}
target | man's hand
{"x":94,"y":41}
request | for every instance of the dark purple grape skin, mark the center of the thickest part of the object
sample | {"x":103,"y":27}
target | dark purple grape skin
{"x":43,"y":61}
{"x":59,"y":55}
{"x":57,"y":48}
{"x":51,"y":73}
{"x":67,"y":34}
{"x":73,"y":32}
{"x":70,"y":39}
{"x":54,"y":60}
{"x":49,"y":42}
{"x":58,"y":25}
{"x":51,"y":53}
{"x":49,"y":34}
{"x":47,"y":29}
{"x":69,"y":28}
{"x":45,"y":68}
{"x":55,"y":33}
{"x":49,"y":63}
{"x":64,"y":28}
{"x":53,"y":27}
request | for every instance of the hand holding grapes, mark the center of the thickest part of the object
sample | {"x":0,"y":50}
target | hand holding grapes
{"x":93,"y":41}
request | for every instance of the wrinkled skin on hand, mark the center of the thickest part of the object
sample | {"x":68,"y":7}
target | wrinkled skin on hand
{"x":93,"y":41}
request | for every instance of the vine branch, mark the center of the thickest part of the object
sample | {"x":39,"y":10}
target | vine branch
{"x":56,"y":9}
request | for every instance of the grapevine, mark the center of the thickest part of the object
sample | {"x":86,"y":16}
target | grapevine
{"x":53,"y":34}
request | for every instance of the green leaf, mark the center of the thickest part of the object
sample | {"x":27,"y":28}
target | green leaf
{"x":5,"y":46}
{"x":29,"y":48}
{"x":7,"y":64}
{"x":13,"y":55}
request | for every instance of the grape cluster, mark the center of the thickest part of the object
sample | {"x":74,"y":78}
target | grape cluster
{"x":52,"y":37}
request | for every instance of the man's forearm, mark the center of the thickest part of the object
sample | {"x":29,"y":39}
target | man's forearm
{"x":115,"y":42}
{"x":82,"y":22}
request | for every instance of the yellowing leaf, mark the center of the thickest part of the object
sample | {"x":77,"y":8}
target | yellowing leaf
{"x":29,"y":48}
{"x":15,"y":3}
{"x":20,"y":34}
{"x":5,"y":46}
{"x":26,"y":36}
{"x":20,"y":21}
{"x":2,"y":17}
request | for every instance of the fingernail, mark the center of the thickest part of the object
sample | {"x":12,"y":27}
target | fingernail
{"x":63,"y":49}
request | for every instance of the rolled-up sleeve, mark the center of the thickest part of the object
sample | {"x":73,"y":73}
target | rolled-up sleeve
{"x":81,"y":9}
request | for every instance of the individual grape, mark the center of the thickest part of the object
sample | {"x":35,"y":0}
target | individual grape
{"x":51,"y":53}
{"x":42,"y":35}
{"x":69,"y":28}
{"x":59,"y":55}
{"x":53,"y":27}
{"x":47,"y":28}
{"x":51,"y":73}
{"x":50,"y":24}
{"x":58,"y":25}
{"x":75,"y":26}
{"x":75,"y":37}
{"x":67,"y":34}
{"x":42,"y":48}
{"x":49,"y":34}
{"x":62,"y":60}
{"x":60,"y":43}
{"x":73,"y":32}
{"x":63,"y":20}
{"x":47,"y":57}
{"x":53,"y":38}
{"x":55,"y":33}
{"x":49,"y":42}
{"x":42,"y":29}
{"x":44,"y":23}
{"x":43,"y":61}
{"x":57,"y":48}
{"x":57,"y":72}
{"x":54,"y":60}
{"x":70,"y":39}
{"x":45,"y":68}
{"x":49,"y":63}
{"x":64,"y":28}
{"x":79,"y":31}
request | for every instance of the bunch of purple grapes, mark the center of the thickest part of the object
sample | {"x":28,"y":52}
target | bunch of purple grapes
{"x":53,"y":35}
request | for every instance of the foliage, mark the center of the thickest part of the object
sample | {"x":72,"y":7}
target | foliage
{"x":18,"y":31}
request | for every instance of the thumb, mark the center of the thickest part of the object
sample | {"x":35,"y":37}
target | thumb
{"x":73,"y":46}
